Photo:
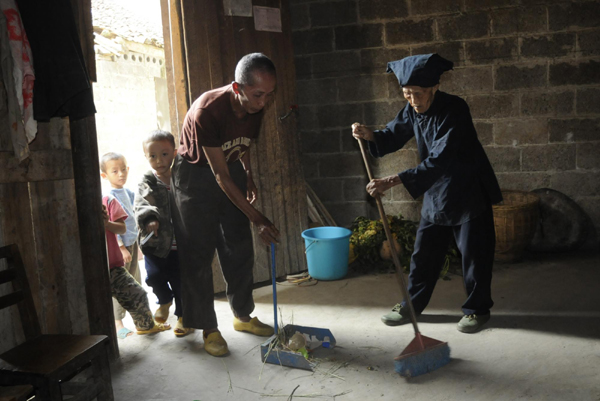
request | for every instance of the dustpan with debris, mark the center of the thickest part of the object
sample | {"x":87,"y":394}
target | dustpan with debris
{"x":307,"y":339}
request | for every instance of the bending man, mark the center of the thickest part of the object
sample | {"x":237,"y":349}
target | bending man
{"x":214,"y":192}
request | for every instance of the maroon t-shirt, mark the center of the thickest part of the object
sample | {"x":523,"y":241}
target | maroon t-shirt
{"x":211,"y":122}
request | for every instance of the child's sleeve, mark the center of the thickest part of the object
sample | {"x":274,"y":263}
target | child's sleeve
{"x":143,"y":206}
{"x":116,"y":211}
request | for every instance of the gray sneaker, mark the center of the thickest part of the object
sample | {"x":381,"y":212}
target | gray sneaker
{"x":472,"y":323}
{"x":396,"y":317}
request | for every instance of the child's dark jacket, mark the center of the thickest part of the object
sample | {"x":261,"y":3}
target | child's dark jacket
{"x":153,"y":202}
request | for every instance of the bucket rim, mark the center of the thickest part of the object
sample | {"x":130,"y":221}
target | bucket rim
{"x":347,"y":233}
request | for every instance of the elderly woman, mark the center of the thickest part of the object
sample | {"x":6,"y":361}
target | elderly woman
{"x":456,"y":179}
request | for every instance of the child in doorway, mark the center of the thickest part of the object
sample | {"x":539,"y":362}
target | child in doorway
{"x":153,"y":205}
{"x":114,"y":169}
{"x":128,"y":292}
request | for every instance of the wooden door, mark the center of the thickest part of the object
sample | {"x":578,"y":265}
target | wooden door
{"x":203,"y":46}
{"x":38,"y":214}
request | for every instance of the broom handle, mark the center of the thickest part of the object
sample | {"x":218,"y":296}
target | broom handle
{"x":388,"y":234}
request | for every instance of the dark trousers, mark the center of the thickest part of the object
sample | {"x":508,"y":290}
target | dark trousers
{"x":206,"y":220}
{"x":162,"y":274}
{"x":476,"y":240}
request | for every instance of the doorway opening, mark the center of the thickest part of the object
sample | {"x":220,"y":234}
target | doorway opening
{"x":131,"y":90}
{"x":130,"y":93}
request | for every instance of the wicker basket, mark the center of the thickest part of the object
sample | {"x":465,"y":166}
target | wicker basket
{"x":515,"y":220}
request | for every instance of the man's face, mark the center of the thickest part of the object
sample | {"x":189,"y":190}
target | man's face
{"x":255,"y":97}
{"x":116,"y":173}
{"x":160,"y":155}
{"x":419,"y":98}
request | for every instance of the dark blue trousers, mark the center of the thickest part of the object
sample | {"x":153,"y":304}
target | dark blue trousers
{"x":476,"y":240}
{"x":164,"y":278}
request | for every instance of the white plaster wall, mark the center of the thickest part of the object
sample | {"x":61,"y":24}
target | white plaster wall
{"x":125,"y":97}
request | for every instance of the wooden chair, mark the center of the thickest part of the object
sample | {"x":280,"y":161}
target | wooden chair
{"x":48,"y":362}
{"x":16,"y":393}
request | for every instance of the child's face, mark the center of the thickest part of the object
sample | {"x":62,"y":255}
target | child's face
{"x":116,"y":173}
{"x":160,"y":155}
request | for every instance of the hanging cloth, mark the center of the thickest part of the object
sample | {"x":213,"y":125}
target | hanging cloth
{"x":18,"y":79}
{"x":62,"y":86}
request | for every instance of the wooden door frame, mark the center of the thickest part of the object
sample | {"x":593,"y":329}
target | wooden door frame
{"x":88,"y":192}
{"x":175,"y":64}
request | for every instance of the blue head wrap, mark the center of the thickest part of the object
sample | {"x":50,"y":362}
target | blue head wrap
{"x":421,"y":70}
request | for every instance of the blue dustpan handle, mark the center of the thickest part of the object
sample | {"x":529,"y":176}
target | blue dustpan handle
{"x":273,"y":275}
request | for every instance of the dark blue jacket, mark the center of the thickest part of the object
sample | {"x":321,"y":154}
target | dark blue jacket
{"x":455,"y":174}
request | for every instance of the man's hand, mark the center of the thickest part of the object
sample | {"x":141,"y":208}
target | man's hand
{"x":379,"y":185}
{"x":125,"y":253}
{"x":360,"y":131}
{"x":152,"y":226}
{"x":266,"y":230}
{"x":251,"y":190}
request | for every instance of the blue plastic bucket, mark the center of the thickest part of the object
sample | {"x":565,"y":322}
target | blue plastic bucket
{"x":327,"y":250}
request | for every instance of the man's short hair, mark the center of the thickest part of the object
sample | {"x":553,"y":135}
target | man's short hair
{"x":249,"y":64}
{"x":108,"y":157}
{"x":159,"y":135}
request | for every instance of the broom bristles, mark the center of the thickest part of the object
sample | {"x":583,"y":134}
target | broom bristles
{"x":413,"y":363}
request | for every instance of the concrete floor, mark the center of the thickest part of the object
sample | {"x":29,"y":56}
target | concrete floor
{"x":542,"y":343}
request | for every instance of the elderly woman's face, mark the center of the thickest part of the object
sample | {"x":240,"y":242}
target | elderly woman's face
{"x":419,"y":98}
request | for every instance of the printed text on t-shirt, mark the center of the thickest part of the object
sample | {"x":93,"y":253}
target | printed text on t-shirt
{"x":232,"y":147}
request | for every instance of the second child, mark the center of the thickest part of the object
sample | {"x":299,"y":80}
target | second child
{"x":155,"y":228}
{"x":128,"y":292}
{"x":114,"y":169}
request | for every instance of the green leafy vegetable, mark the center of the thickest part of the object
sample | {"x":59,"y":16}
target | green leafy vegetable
{"x":368,"y":235}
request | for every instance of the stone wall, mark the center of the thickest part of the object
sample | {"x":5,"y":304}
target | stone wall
{"x":125,"y":95}
{"x":529,"y":70}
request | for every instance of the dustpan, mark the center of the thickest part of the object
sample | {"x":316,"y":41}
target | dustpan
{"x":270,"y":353}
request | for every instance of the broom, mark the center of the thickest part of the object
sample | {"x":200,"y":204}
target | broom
{"x":423,"y":354}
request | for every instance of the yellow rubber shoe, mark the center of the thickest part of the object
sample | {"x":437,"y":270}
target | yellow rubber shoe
{"x":254,"y":326}
{"x":215,"y":344}
{"x":180,"y":330}
{"x":154,"y":329}
{"x":162,"y":313}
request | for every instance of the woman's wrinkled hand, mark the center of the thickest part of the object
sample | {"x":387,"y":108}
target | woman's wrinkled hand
{"x":378,"y":186}
{"x":360,"y":131}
